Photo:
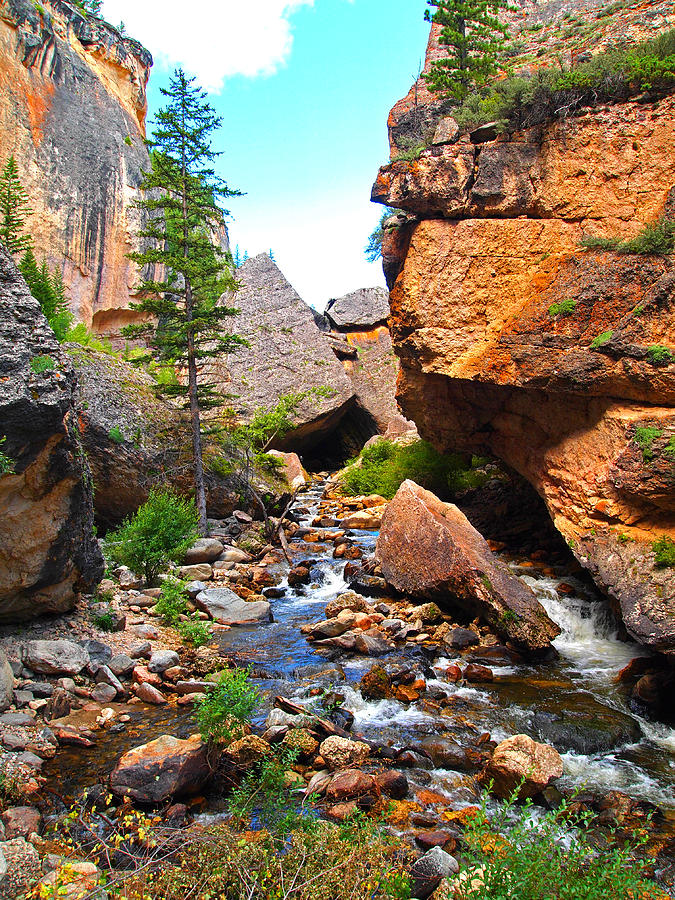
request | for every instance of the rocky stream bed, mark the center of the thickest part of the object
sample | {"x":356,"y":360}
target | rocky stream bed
{"x":427,"y":698}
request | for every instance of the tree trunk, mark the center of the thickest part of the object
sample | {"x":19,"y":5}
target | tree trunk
{"x":195,"y":421}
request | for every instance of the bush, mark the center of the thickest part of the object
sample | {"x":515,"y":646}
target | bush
{"x":227,"y":707}
{"x":384,"y":466}
{"x":195,"y":632}
{"x":172,"y":603}
{"x":81,"y":335}
{"x":564,"y":308}
{"x":553,"y":856}
{"x":265,"y":796}
{"x":162,"y":531}
{"x":40,"y":364}
{"x":657,"y":238}
{"x":115,"y":435}
{"x":658,"y":355}
{"x":601,"y":340}
{"x":104,"y":622}
{"x":6,"y":462}
{"x":644,"y":437}
{"x":664,"y":552}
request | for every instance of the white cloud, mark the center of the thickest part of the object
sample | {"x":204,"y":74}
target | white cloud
{"x":212,"y":39}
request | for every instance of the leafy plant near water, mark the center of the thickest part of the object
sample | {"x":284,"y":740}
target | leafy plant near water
{"x":160,"y":532}
{"x":664,"y":552}
{"x":384,"y":466}
{"x":265,"y":795}
{"x":553,"y":856}
{"x":194,"y":631}
{"x":227,"y":707}
{"x":172,"y":603}
{"x":644,"y":437}
{"x":564,"y":308}
{"x":552,"y":92}
{"x":657,"y":238}
{"x":6,"y":462}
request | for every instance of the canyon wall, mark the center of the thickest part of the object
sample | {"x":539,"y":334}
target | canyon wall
{"x":72,"y":112}
{"x":479,"y":265}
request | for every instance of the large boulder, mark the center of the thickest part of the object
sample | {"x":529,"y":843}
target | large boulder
{"x":225,"y":607}
{"x":48,"y":552}
{"x":521,"y":761}
{"x":55,"y":657}
{"x":360,"y":310}
{"x":164,"y":768}
{"x":288,"y":355}
{"x":429,"y":549}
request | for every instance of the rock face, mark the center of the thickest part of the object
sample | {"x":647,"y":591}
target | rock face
{"x":166,"y":767}
{"x":429,"y":549}
{"x":47,"y":548}
{"x":72,"y":111}
{"x":288,"y":355}
{"x":489,"y":364}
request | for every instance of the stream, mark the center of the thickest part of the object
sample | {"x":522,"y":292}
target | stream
{"x":573,"y":702}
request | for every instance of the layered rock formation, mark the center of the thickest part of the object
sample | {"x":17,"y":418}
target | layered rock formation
{"x":47,"y":547}
{"x":72,"y":111}
{"x":515,"y":341}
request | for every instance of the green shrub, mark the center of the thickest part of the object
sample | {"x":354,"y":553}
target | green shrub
{"x":81,"y":335}
{"x":601,"y":340}
{"x":658,"y":355}
{"x":162,"y":531}
{"x":194,"y":631}
{"x":227,"y":707}
{"x":172,"y":603}
{"x":664,"y":552}
{"x":104,"y":622}
{"x":564,"y":308}
{"x":553,"y":856}
{"x":6,"y":462}
{"x":265,"y":794}
{"x":41,"y":364}
{"x":657,"y":238}
{"x":644,"y":437}
{"x":115,"y":435}
{"x":669,"y":449}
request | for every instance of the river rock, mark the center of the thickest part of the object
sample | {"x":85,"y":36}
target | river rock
{"x":6,"y":683}
{"x":372,"y":643}
{"x":196,"y":572}
{"x":121,"y":665}
{"x":376,"y":684}
{"x":350,"y":785}
{"x":339,"y":752}
{"x":393,"y":784}
{"x":164,"y":768}
{"x":161,"y":660}
{"x":329,"y":629}
{"x":429,"y":870}
{"x":21,"y":822}
{"x":225,"y":607}
{"x":429,"y":549}
{"x":248,"y":751}
{"x":204,"y":550}
{"x":149,"y":694}
{"x":349,"y":600}
{"x":55,"y":657}
{"x":517,"y":759}
{"x":461,"y":639}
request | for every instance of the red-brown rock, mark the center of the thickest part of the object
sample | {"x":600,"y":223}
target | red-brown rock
{"x":517,"y":759}
{"x":164,"y":768}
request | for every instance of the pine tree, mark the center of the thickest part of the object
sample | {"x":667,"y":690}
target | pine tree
{"x":14,"y":208}
{"x":181,"y":199}
{"x":474,"y":37}
{"x":49,"y":291}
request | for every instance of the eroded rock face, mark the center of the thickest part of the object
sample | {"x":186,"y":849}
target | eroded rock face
{"x":72,"y":111}
{"x":429,"y":549}
{"x":287,"y":355}
{"x":47,"y":547}
{"x":488,"y":251}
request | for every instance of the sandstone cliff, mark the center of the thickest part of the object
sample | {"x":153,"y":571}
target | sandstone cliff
{"x":490,"y":246}
{"x":72,"y":111}
{"x":47,"y":547}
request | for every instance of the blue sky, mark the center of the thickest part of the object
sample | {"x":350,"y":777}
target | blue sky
{"x":304,"y":89}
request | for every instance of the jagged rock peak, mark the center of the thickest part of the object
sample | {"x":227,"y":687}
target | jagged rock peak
{"x":360,"y":309}
{"x":48,"y":551}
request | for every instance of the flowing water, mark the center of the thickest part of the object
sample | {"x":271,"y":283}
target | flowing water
{"x":573,"y":700}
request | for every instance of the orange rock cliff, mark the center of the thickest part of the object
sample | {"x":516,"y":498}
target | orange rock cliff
{"x":72,"y":112}
{"x":489,"y":242}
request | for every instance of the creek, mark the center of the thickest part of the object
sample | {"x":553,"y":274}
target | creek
{"x":573,"y":703}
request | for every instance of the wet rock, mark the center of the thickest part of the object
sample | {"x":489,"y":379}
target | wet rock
{"x":429,"y":549}
{"x":193,"y":687}
{"x":121,"y":665}
{"x":478,"y":674}
{"x":225,"y":607}
{"x":429,"y":870}
{"x":162,"y":660}
{"x":328,"y":629}
{"x":393,"y":784}
{"x":426,"y":840}
{"x":376,"y":684}
{"x":346,"y":643}
{"x":21,"y":822}
{"x":462,"y":639}
{"x":164,"y":768}
{"x":586,"y":726}
{"x":142,"y":675}
{"x":364,"y":519}
{"x":372,"y":643}
{"x":298,"y":575}
{"x":149,"y":694}
{"x":339,"y":752}
{"x":55,"y":657}
{"x":350,"y":785}
{"x":448,"y":754}
{"x":349,"y":600}
{"x":248,"y":751}
{"x":204,"y":550}
{"x":520,"y":759}
{"x":103,"y":694}
{"x":341,"y":812}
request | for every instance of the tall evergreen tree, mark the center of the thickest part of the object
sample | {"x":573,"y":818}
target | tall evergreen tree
{"x":181,"y":197}
{"x":474,"y":36}
{"x":49,"y":291}
{"x":14,"y":209}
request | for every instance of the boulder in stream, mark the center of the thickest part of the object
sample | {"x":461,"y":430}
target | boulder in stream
{"x":225,"y":607}
{"x":429,"y":549}
{"x":164,"y":768}
{"x":520,"y":759}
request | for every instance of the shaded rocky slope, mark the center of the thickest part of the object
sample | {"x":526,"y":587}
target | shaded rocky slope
{"x":47,"y":547}
{"x":490,"y":245}
{"x":72,"y":111}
